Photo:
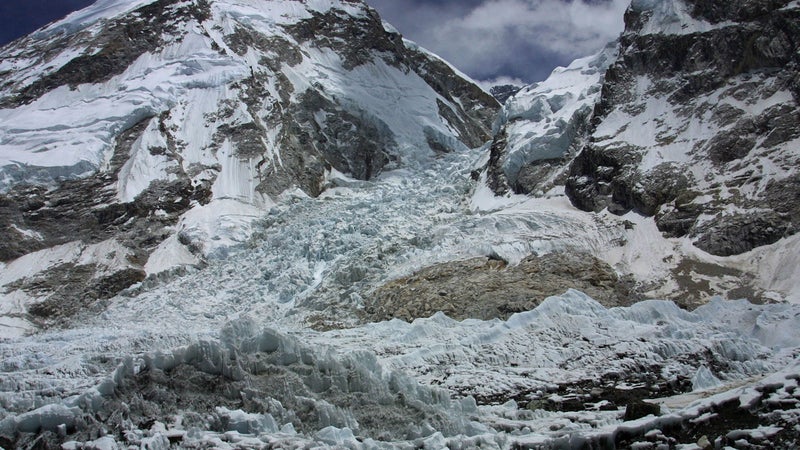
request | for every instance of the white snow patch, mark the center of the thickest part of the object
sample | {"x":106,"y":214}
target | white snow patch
{"x":168,"y":255}
{"x":27,"y":233}
{"x":636,"y":256}
{"x":704,"y":379}
{"x":29,"y":265}
{"x":147,"y":162}
{"x":485,"y":200}
{"x":238,"y":178}
{"x":778,"y":266}
{"x":219,"y":225}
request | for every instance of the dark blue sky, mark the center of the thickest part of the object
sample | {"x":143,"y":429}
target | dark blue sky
{"x":519,"y":40}
{"x":20,"y":17}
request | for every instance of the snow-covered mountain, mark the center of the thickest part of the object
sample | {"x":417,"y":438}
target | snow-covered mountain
{"x":544,"y":125}
{"x":690,"y":118}
{"x":143,"y":136}
{"x":697,"y":124}
{"x":277,"y":224}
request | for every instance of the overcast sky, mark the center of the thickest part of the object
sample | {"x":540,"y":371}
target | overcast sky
{"x":522,"y":39}
{"x":487,"y":39}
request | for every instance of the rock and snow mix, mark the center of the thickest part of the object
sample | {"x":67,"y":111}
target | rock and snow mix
{"x":247,"y":322}
{"x":174,"y":145}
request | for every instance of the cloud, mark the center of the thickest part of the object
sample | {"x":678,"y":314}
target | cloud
{"x":513,"y":38}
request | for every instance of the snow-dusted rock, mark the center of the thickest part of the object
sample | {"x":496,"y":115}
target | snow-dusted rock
{"x":216,"y":121}
{"x":697,"y":124}
{"x":171,"y":125}
{"x":542,"y":126}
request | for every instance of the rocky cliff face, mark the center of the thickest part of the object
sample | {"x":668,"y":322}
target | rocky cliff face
{"x":697,"y":124}
{"x":160,"y":129}
{"x":690,"y":119}
{"x":694,"y":123}
{"x":542,"y":127}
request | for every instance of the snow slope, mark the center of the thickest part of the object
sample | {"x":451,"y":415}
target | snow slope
{"x":214,"y":113}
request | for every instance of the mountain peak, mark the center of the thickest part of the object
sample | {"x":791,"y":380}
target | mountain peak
{"x":179,"y":115}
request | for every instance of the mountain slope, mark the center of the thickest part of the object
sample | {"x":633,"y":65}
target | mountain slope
{"x":544,"y":125}
{"x":318,"y":321}
{"x":697,"y":124}
{"x":142,"y":136}
{"x":693,"y":123}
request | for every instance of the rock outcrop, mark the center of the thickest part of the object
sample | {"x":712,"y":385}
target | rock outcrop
{"x":694,"y":122}
{"x":697,"y":124}
{"x":486,"y":289}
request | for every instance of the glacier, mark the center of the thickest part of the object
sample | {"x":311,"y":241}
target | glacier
{"x":248,"y":323}
{"x":242,"y":324}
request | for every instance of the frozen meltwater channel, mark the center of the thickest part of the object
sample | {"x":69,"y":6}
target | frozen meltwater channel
{"x":224,"y":356}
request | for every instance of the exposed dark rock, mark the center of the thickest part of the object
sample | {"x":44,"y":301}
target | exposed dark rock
{"x":783,"y":197}
{"x":116,"y":47}
{"x":604,"y":392}
{"x":599,"y":178}
{"x":71,"y":289}
{"x":698,"y":281}
{"x":725,"y":148}
{"x":779,"y":125}
{"x":534,"y":176}
{"x":678,"y":220}
{"x":736,"y":10}
{"x":351,"y":142}
{"x":638,"y":409}
{"x":739,"y":233}
{"x":748,"y":61}
{"x":68,"y":213}
{"x":664,"y":183}
{"x":495,"y":175}
{"x":243,"y":39}
{"x":485,"y":288}
{"x":722,"y":426}
{"x":365,"y":36}
{"x":504,"y":92}
{"x":87,"y":210}
{"x":247,"y":139}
